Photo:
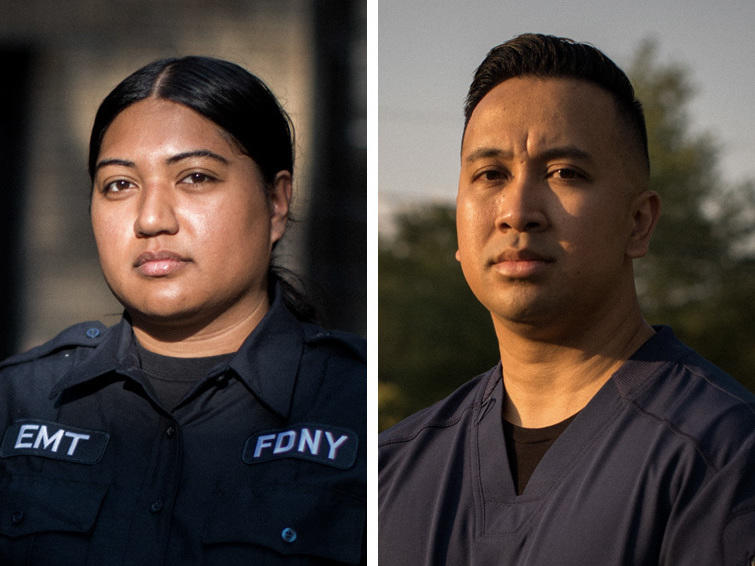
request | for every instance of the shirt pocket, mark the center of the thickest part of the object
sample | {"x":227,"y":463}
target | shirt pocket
{"x":46,"y":519}
{"x":319,"y":525}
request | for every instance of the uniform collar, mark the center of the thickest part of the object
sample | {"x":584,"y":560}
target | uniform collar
{"x":267,"y":362}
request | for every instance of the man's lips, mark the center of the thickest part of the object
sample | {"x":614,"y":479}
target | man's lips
{"x":520,"y":264}
{"x":160,"y":263}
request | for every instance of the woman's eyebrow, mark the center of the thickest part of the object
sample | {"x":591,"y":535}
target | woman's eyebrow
{"x":196,"y":153}
{"x":170,"y":160}
{"x":113,"y":161}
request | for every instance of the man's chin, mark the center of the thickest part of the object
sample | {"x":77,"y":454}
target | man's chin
{"x":527,"y":317}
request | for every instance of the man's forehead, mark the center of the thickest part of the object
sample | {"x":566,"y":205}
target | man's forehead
{"x":538,"y":87}
{"x":547,"y":111}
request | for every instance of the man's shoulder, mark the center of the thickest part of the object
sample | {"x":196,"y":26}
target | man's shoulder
{"x":694,"y":398}
{"x":720,"y":407}
{"x":716,"y":380}
{"x":442,"y":415}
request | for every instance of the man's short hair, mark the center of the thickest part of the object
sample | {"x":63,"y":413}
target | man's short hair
{"x":547,"y":56}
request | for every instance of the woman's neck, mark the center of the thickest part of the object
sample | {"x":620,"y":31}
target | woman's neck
{"x":192,"y":339}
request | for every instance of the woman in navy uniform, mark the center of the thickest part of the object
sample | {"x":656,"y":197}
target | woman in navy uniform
{"x":214,"y":424}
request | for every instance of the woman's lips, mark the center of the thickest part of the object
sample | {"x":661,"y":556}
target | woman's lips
{"x":159,"y":264}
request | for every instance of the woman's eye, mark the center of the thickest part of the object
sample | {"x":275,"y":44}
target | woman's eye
{"x":117,"y":186}
{"x":197,"y":178}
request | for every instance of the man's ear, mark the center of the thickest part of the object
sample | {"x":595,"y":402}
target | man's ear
{"x":280,"y":201}
{"x":646,"y":209}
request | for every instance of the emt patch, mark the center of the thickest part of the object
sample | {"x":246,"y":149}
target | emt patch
{"x":52,"y":440}
{"x":327,"y":445}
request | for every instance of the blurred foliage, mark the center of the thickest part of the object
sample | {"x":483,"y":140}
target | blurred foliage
{"x":698,"y":278}
{"x":433,"y":334}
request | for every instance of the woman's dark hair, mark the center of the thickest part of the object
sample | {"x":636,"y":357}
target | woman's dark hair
{"x":231,"y":97}
{"x":225,"y":93}
{"x":548,"y":56}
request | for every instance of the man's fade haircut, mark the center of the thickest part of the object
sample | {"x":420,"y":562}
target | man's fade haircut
{"x":548,"y":56}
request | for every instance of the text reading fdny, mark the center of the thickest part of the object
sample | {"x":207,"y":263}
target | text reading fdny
{"x":318,"y":443}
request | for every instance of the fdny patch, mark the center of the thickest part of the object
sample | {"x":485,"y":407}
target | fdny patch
{"x":32,"y":437}
{"x":327,"y":445}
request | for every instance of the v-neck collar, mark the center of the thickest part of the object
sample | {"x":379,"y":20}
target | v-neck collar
{"x":500,"y":509}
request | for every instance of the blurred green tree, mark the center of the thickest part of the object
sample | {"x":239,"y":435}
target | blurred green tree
{"x":433,"y":334}
{"x":699,"y":276}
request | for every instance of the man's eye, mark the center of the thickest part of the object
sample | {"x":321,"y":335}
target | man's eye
{"x":567,"y":174}
{"x":490,"y":175}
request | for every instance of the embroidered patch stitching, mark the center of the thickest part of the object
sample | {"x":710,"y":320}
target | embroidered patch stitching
{"x":332,"y":446}
{"x":35,"y":437}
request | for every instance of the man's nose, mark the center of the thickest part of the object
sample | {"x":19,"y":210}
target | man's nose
{"x":521,"y":206}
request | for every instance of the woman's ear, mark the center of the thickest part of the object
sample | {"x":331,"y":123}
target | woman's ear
{"x":646,"y":209}
{"x":280,"y":201}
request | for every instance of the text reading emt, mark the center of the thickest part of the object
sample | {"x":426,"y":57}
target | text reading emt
{"x":597,"y":439}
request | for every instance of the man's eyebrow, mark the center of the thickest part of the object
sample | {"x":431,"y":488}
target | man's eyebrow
{"x":485,"y":152}
{"x":196,"y":153}
{"x":568,"y":151}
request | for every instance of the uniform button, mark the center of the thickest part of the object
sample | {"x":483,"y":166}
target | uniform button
{"x":170,"y":432}
{"x":17,"y":517}
{"x":157,"y":505}
{"x":288,"y":534}
{"x":93,"y":332}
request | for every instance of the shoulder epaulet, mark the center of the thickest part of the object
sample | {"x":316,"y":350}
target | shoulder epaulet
{"x":84,"y":334}
{"x":353,"y":343}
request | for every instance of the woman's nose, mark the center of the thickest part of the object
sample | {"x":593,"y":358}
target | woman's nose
{"x":156,"y":213}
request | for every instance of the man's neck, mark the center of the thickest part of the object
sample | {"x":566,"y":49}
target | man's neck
{"x":549,"y":381}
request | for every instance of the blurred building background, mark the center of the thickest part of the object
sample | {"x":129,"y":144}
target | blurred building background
{"x":59,"y":60}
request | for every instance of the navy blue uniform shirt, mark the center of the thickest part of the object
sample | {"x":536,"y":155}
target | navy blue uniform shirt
{"x":263,"y":462}
{"x":658,"y":468}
